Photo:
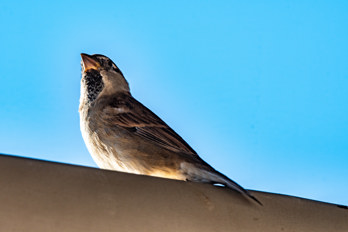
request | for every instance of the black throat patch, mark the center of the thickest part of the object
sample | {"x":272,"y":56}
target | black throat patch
{"x":94,"y":84}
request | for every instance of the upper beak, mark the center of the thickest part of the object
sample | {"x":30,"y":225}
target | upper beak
{"x":89,"y":62}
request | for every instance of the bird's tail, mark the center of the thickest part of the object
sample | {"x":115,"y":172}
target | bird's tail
{"x":220,"y":178}
{"x":210,"y":175}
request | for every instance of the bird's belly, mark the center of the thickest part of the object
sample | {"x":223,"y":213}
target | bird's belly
{"x":116,"y":152}
{"x":111,"y":162}
{"x":107,"y":156}
{"x":133,"y":162}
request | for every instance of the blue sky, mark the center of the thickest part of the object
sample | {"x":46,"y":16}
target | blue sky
{"x":258,"y":89}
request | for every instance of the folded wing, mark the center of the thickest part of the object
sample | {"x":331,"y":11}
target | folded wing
{"x":124,"y":111}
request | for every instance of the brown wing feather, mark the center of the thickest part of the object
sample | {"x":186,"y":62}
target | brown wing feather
{"x":127,"y":112}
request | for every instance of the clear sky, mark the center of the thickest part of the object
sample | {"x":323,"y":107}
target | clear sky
{"x":258,"y":88}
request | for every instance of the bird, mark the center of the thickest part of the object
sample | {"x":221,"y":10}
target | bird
{"x":122,"y":134}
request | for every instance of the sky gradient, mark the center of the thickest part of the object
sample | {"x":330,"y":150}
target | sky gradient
{"x":259,"y":90}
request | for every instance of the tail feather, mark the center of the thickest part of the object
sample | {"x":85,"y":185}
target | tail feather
{"x":207,"y":174}
{"x":227,"y":182}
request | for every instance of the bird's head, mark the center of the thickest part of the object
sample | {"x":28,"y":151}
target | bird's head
{"x":100,"y":76}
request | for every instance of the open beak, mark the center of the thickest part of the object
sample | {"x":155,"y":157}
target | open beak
{"x":89,"y":62}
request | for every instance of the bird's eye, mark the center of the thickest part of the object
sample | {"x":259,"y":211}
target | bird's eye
{"x":101,"y":62}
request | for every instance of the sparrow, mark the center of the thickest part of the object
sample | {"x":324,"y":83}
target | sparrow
{"x":122,"y":134}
